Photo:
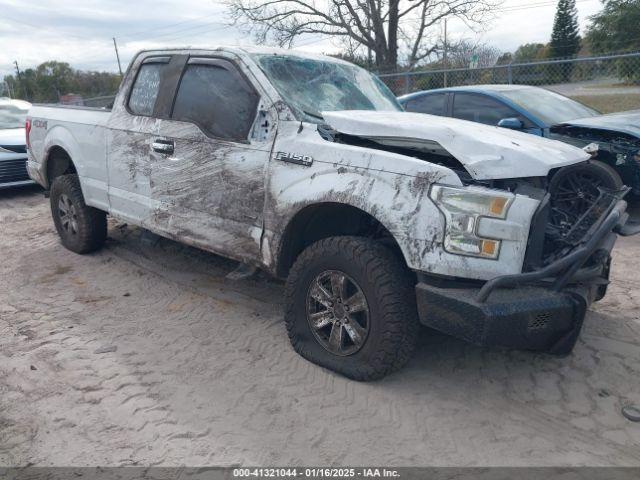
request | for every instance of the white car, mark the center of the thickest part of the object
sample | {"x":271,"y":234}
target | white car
{"x":13,"y":149}
{"x":307,"y":167}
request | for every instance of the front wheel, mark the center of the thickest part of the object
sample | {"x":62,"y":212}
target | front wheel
{"x":82,"y":228}
{"x":350,"y":307}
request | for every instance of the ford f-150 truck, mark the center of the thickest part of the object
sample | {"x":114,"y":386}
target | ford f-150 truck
{"x":307,"y":167}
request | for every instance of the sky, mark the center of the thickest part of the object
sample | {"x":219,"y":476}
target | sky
{"x":80,"y":31}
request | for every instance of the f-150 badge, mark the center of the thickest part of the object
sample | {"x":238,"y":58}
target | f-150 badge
{"x":305,"y":160}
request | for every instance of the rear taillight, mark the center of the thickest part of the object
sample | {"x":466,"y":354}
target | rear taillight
{"x":27,"y":132}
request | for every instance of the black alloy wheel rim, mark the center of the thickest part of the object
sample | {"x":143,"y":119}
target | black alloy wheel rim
{"x":338,"y":313}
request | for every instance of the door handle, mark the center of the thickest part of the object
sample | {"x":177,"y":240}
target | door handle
{"x":164,"y":146}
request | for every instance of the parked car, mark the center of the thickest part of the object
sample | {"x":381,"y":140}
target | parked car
{"x":307,"y":167}
{"x":13,"y":150}
{"x":548,"y":114}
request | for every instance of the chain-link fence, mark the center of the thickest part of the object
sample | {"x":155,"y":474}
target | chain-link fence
{"x":608,"y":71}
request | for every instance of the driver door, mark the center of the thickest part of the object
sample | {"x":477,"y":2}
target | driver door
{"x":207,"y":167}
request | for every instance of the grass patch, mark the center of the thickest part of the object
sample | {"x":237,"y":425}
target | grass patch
{"x":611,"y":103}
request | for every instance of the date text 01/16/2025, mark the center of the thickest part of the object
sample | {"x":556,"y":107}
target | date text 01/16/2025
{"x":315,"y":473}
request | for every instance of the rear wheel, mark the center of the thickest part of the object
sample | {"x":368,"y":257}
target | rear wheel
{"x":351,"y":307}
{"x":82,"y":229}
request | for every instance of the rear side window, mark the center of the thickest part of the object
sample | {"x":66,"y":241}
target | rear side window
{"x":481,"y":109}
{"x":217,"y":99}
{"x":433,"y":104}
{"x":145,"y":89}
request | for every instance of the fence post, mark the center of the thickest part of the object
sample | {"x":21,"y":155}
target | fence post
{"x":509,"y":74}
{"x":406,"y":83}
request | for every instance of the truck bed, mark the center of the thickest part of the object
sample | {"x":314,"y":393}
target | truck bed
{"x":71,"y":113}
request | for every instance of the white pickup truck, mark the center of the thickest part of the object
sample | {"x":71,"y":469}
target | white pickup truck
{"x":307,"y":167}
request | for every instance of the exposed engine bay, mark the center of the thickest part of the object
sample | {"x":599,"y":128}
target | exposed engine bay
{"x":619,"y":150}
{"x":615,"y":142}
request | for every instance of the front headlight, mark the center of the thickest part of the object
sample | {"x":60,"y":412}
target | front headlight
{"x":463,"y":209}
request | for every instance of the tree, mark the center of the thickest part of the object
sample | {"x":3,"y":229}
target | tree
{"x":617,"y":28}
{"x":49,"y":80}
{"x":464,"y":52}
{"x":530,"y":52}
{"x":390,"y":29}
{"x":565,"y":38}
{"x":505,"y":59}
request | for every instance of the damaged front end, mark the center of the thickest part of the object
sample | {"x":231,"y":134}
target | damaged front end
{"x":566,"y":263}
{"x":543,"y":308}
{"x":619,"y":150}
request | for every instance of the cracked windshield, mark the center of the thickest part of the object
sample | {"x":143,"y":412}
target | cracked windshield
{"x":314,"y":86}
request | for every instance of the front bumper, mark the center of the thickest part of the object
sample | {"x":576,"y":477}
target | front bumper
{"x":34,"y":172}
{"x":540,"y":310}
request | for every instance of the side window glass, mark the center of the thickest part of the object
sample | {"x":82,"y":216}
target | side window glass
{"x":481,"y":109}
{"x":433,"y":104}
{"x":145,"y":89}
{"x":217,"y":99}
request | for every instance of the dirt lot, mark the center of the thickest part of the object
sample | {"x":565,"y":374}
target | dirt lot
{"x":145,"y":354}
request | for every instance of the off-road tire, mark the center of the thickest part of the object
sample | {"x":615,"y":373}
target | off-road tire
{"x":90,"y":223}
{"x":389,"y":290}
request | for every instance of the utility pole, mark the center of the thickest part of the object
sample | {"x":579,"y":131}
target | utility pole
{"x":445,"y":53}
{"x":22,"y":88}
{"x":115,"y":45}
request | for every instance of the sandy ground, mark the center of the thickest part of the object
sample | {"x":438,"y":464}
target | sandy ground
{"x":144,"y":354}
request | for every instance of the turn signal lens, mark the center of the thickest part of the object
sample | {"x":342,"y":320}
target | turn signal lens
{"x":490,"y":248}
{"x":498,"y":206}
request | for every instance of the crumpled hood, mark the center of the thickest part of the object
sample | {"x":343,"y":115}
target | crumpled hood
{"x":626,"y":122}
{"x":486,"y":152}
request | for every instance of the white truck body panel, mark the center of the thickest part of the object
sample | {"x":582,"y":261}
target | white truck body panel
{"x":237,"y":198}
{"x":393,"y":187}
{"x":81,"y":132}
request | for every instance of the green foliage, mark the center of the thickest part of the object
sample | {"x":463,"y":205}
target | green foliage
{"x":565,"y":38}
{"x":505,"y":59}
{"x":617,"y":28}
{"x":530,"y":52}
{"x":49,"y":80}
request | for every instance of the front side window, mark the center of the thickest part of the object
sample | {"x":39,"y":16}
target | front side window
{"x":481,"y":109}
{"x":145,"y":89}
{"x":217,"y":99}
{"x":311,"y":86}
{"x":433,"y":104}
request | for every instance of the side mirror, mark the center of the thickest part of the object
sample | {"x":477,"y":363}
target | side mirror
{"x":512,"y":123}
